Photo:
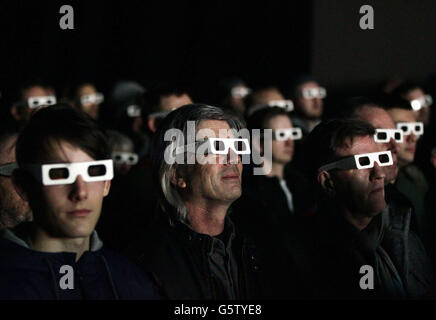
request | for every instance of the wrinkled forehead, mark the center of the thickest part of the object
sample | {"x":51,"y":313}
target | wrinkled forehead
{"x":357,"y":145}
{"x":214,"y":129}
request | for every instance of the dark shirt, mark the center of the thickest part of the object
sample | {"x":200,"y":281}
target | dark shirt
{"x":223,"y":265}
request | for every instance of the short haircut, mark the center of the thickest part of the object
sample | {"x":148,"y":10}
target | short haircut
{"x":397,"y":102}
{"x":353,"y":105}
{"x":170,"y":200}
{"x":259,"y":119}
{"x":50,"y":126}
{"x":154,"y":96}
{"x":405,"y":87}
{"x":322,"y":143}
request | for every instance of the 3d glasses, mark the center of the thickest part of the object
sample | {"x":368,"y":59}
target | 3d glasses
{"x":288,"y":105}
{"x":66,"y":173}
{"x":385,"y":135}
{"x":424,"y":101}
{"x":217,"y":146}
{"x":285,"y":134}
{"x":95,"y":98}
{"x":408,"y":127}
{"x":313,"y":93}
{"x":125,"y":158}
{"x":7,"y":169}
{"x":35,"y":102}
{"x":361,"y":161}
{"x":133,"y":111}
{"x":240,"y":92}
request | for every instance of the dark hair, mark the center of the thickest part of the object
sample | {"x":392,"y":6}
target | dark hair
{"x":394,"y":101}
{"x":405,"y":87}
{"x":259,"y":119}
{"x":353,"y":105}
{"x":51,"y":125}
{"x":321,"y":144}
{"x":154,"y":96}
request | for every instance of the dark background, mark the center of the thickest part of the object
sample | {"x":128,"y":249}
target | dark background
{"x":198,"y":43}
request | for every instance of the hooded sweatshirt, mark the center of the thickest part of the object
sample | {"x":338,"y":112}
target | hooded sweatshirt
{"x":99,"y":274}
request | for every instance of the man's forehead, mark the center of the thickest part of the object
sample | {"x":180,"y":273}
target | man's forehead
{"x":402,"y":115}
{"x":65,"y":152}
{"x":309,"y":85}
{"x":214,"y":128}
{"x":357,"y":145}
{"x":377,"y":117}
{"x":36,"y":91}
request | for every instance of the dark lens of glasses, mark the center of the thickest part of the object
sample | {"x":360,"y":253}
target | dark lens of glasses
{"x":219,"y":146}
{"x":364,"y":161}
{"x":35,"y":103}
{"x":118,"y":157}
{"x":382,"y":135}
{"x":404,"y":128}
{"x":240,"y":145}
{"x":59,"y":173}
{"x":383,"y":158}
{"x":417,"y":129}
{"x":131,"y":159}
{"x":397,"y":136}
{"x":96,"y":170}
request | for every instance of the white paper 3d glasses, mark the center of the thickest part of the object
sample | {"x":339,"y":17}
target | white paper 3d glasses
{"x":95,"y":98}
{"x":125,"y":158}
{"x":66,"y":173}
{"x":361,"y":161}
{"x":35,"y":102}
{"x":417,"y":128}
{"x":313,"y":93}
{"x":285,"y":134}
{"x":216,"y":146}
{"x":421,"y":102}
{"x":385,"y":135}
{"x":288,"y":105}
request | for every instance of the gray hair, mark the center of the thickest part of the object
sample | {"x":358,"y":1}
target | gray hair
{"x":170,"y":200}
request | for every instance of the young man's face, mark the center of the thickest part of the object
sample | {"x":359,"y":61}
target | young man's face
{"x":309,"y":108}
{"x":70,"y":210}
{"x":361,"y":191}
{"x":282,"y":151}
{"x":406,"y":151}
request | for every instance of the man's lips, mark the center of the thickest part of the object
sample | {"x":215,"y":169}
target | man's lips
{"x":79,"y":212}
{"x":232,"y":176}
{"x":379,"y":189}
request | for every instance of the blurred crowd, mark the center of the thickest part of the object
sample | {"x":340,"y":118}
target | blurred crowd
{"x":350,"y":183}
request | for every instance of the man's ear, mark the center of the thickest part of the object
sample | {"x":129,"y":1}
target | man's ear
{"x":15,"y":112}
{"x":151,"y":122}
{"x":177,"y":179}
{"x":18,"y":180}
{"x":326,"y":182}
{"x":107,"y":187}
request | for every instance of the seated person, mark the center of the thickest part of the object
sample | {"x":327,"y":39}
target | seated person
{"x":64,"y":173}
{"x":354,"y":229}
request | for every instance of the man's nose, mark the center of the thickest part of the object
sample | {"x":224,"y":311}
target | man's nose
{"x":79,"y":189}
{"x":412,"y":138}
{"x":393,"y":146}
{"x":233,"y":157}
{"x":377,"y":172}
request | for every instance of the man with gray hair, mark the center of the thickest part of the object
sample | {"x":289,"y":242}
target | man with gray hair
{"x":193,"y":250}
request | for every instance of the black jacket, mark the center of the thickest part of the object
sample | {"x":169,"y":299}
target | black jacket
{"x":328,"y":253}
{"x":99,"y":274}
{"x":176,"y":257}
